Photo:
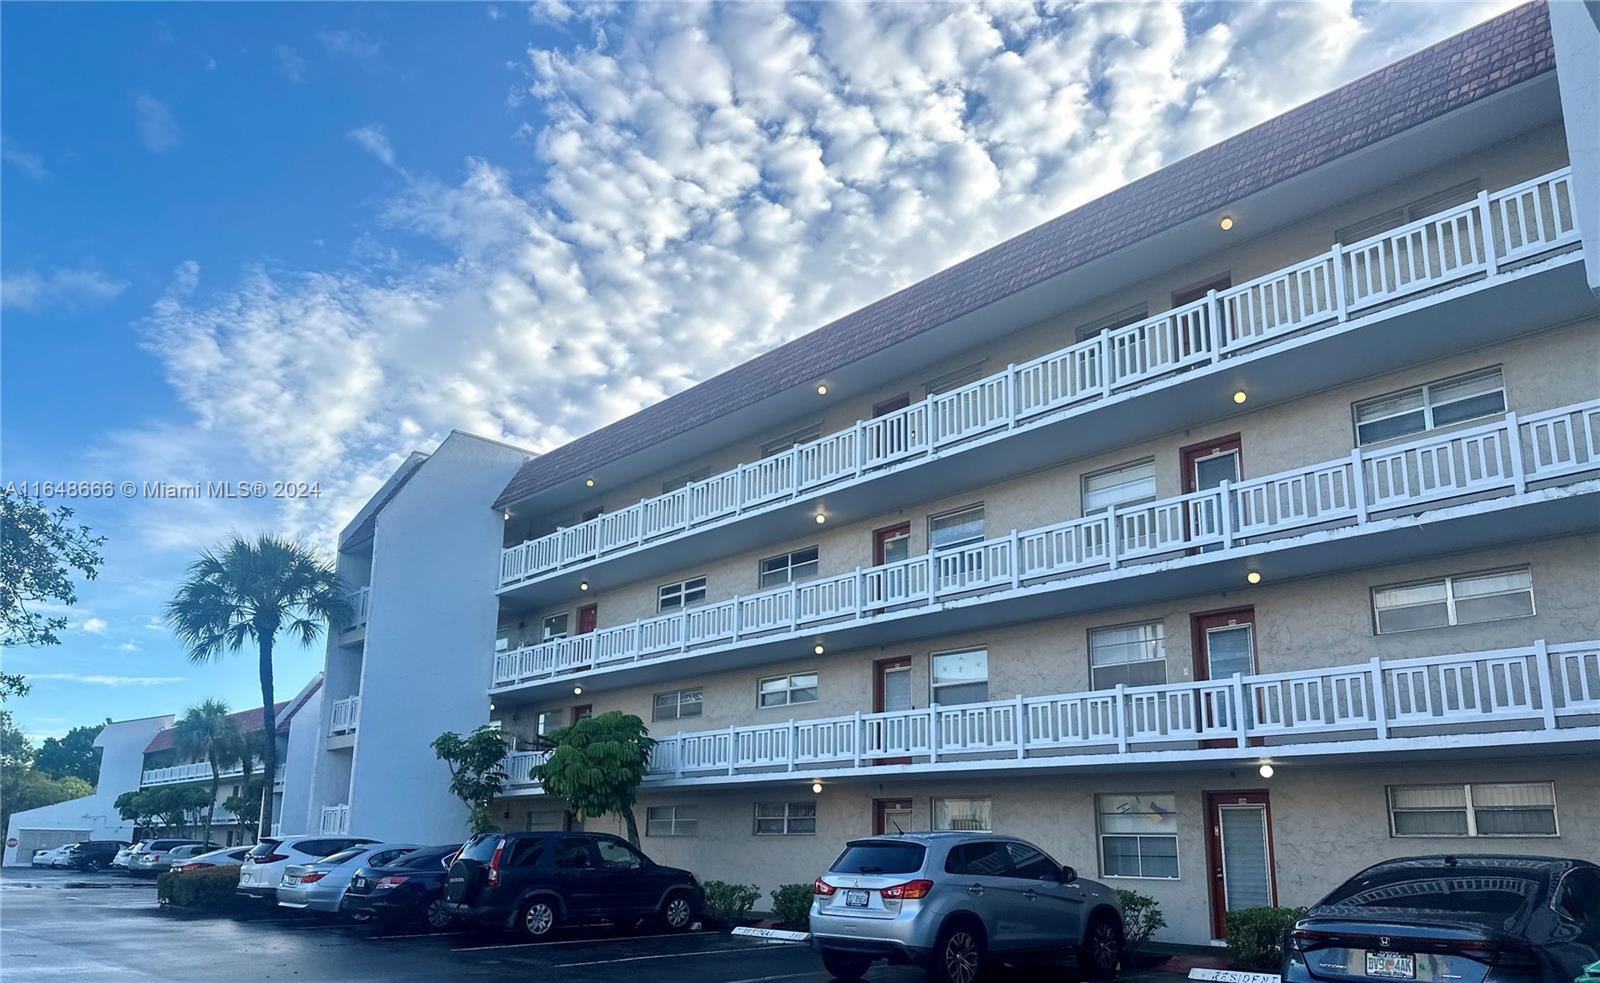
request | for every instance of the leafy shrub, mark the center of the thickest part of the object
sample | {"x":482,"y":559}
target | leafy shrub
{"x":729,"y":904}
{"x":1255,"y":937}
{"x":1141,"y":917}
{"x":791,"y":906}
{"x":208,"y":887}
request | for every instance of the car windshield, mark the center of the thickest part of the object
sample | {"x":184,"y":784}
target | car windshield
{"x":1494,"y":892}
{"x":481,"y":848}
{"x":262,"y":849}
{"x":423,"y":858}
{"x":880,"y":858}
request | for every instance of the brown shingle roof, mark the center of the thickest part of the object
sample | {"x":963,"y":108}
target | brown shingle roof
{"x":1479,"y":62}
{"x":249,"y":721}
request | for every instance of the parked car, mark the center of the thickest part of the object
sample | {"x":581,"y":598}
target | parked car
{"x":951,"y":902}
{"x":320,"y":886}
{"x":120,"y":861}
{"x":55,"y":856}
{"x":159,"y":855}
{"x":263,"y":867}
{"x":536,"y":882}
{"x":1469,"y":918}
{"x":230,"y":856}
{"x":91,"y":855}
{"x":409,"y":888}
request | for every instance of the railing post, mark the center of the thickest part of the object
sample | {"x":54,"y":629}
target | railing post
{"x":861,"y":594}
{"x":1214,"y":325}
{"x":1340,"y":306}
{"x":861,"y":447}
{"x":1547,"y":695}
{"x":794,"y":607}
{"x":789,"y":749}
{"x":738,"y":616}
{"x":1012,"y":396}
{"x":1103,"y":344}
{"x":1121,"y":719}
{"x":683,"y":630}
{"x":1380,"y":710}
{"x":1358,"y":485}
{"x":933,"y":732}
{"x":1225,"y":516}
{"x":1111,"y":535}
{"x":1019,"y":727}
{"x":1016,"y":560}
{"x":1519,"y":477}
{"x":856,"y":739}
{"x":733,"y":747}
{"x":1240,"y":723}
{"x":1491,"y":257}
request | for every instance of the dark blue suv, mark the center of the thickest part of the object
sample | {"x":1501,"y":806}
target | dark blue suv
{"x":536,"y":882}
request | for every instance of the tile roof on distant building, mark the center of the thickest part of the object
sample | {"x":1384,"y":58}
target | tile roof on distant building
{"x":249,"y":722}
{"x":1484,"y":60}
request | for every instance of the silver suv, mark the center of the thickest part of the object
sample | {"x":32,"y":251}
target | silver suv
{"x":952,"y":901}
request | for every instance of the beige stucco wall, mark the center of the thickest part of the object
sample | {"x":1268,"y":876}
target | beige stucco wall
{"x":1311,"y":623}
{"x":1327,"y":823}
{"x":1241,"y":254}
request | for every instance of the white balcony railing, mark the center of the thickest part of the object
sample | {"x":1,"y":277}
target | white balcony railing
{"x":198,"y":771}
{"x":346,"y":713}
{"x":335,"y":820}
{"x":1475,"y":239}
{"x":360,"y":600}
{"x":1497,"y":458}
{"x":276,"y":829}
{"x":1544,"y":687}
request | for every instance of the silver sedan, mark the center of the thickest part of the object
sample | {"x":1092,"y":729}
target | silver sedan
{"x":320,"y":886}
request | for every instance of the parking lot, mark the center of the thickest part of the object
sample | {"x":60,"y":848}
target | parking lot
{"x":57,"y":925}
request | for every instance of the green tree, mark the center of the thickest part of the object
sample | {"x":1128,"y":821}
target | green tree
{"x":206,"y":731}
{"x":477,"y":771}
{"x":74,"y":755}
{"x":166,"y":806}
{"x":247,"y":802}
{"x":596,"y":765}
{"x":39,"y":550}
{"x":30,"y":789}
{"x":249,"y":592}
{"x":134,"y":807}
{"x":16,"y":751}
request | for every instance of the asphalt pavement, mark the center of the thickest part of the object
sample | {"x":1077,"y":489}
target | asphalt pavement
{"x":61,"y":925}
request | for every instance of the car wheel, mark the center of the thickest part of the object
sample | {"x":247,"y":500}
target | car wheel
{"x":959,"y":957}
{"x":436,"y":913}
{"x":846,"y":966}
{"x":91,"y":865}
{"x":1102,"y":948}
{"x":538,"y":919}
{"x":678,"y":912}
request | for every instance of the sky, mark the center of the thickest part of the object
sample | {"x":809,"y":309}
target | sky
{"x":295,"y":242}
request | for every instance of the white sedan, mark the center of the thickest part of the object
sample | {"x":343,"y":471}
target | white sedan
{"x":231,"y":856}
{"x":262,"y":870}
{"x":51,"y":857}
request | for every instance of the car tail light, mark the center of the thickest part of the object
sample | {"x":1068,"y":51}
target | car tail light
{"x":394,"y":880}
{"x":1499,"y":955}
{"x":155,"y":858}
{"x":494,"y":864}
{"x":909,"y":891}
{"x":272,"y":858}
{"x":823,"y":888}
{"x":312,"y":877}
{"x":1306,"y":940}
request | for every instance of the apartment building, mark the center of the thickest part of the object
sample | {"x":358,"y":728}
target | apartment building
{"x":1223,"y":535}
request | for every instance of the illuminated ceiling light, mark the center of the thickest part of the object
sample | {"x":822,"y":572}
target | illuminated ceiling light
{"x":583,"y":585}
{"x":588,"y":482}
{"x":1253,"y":576}
{"x":491,"y":708}
{"x":821,"y":518}
{"x":577,"y":691}
{"x":816,"y":788}
{"x":506,"y":516}
{"x":822,"y":390}
{"x":1226,"y":223}
{"x":1265,"y":771}
{"x":1240,"y":396}
{"x":818,"y":648}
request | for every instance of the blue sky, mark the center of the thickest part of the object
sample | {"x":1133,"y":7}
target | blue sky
{"x":298,"y":241}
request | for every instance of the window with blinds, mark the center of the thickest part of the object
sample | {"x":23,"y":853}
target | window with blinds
{"x":1410,"y":212}
{"x":966,"y":815}
{"x":789,"y":568}
{"x":1134,"y":655}
{"x":1111,"y":322}
{"x":1463,"y":599}
{"x":672,"y":821}
{"x":1475,"y":396}
{"x":957,"y":528}
{"x":786,"y":818}
{"x":778,"y":445}
{"x":1138,"y":835}
{"x":677,"y":704}
{"x":1125,"y":485}
{"x":966,"y":375}
{"x":959,"y":677}
{"x":1474,"y":809}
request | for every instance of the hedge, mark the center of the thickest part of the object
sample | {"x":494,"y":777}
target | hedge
{"x":208,"y":887}
{"x":1255,"y":937}
{"x":1141,"y":917}
{"x":729,"y":904}
{"x":791,"y":906}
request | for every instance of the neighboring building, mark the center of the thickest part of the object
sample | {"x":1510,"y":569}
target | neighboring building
{"x":93,"y":817}
{"x":1228,"y":533}
{"x":165,"y":764}
{"x":420,"y":561}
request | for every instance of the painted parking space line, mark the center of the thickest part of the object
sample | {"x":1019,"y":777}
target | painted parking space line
{"x":417,"y":935}
{"x":814,"y":974}
{"x":554,"y":942}
{"x":682,"y":955}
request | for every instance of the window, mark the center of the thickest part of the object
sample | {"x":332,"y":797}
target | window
{"x":789,"y":568}
{"x":555,"y":626}
{"x":1112,"y":322}
{"x":1138,"y":835}
{"x":1406,"y":214}
{"x":684,"y":594}
{"x":960,"y":677}
{"x":962,"y":814}
{"x":778,"y":445}
{"x":1134,"y":655}
{"x":676,"y":705}
{"x":502,"y":640}
{"x":574,"y":854}
{"x":617,"y":856}
{"x":786,"y":818}
{"x":783,"y":691}
{"x":547,"y":721}
{"x":1437,"y":404}
{"x":671,"y":821}
{"x":1489,"y":809}
{"x":880,"y":858}
{"x":1122,"y":485}
{"x":958,"y":528}
{"x":982,"y":858}
{"x":1464,"y":599}
{"x":684,"y":480}
{"x":963,"y":376}
{"x":525,"y":852}
{"x":1031,"y":863}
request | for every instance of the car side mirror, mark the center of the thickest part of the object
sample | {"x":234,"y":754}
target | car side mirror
{"x":1068,"y":875}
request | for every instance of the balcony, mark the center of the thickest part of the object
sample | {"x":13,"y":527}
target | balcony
{"x":1364,"y":492}
{"x":1536,"y":694}
{"x":1491,"y":240}
{"x":335,"y":820}
{"x":360,"y":605}
{"x":197,"y":771}
{"x":346,"y":713}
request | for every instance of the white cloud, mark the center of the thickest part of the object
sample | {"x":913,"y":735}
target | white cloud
{"x":374,"y":141}
{"x":65,"y":287}
{"x":157,"y":128}
{"x":94,"y":626}
{"x":91,"y":679}
{"x":28,"y":163}
{"x":353,"y":44}
{"x":291,"y":64}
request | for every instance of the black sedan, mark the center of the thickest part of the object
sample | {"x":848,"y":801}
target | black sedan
{"x":409,"y":889}
{"x":1453,"y":919}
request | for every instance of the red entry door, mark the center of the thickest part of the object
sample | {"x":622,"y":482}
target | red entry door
{"x":588,"y":618}
{"x":1239,"y":854}
{"x":891,"y":693}
{"x":1224,"y":644}
{"x":891,"y":816}
{"x":582,"y":712}
{"x":891,"y":544}
{"x":1207,"y":466}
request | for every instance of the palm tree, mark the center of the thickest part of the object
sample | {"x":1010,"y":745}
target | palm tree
{"x":249,"y":591}
{"x":206,"y":731}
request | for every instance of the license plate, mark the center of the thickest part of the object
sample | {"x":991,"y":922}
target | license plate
{"x":292,"y":879}
{"x":1392,"y":965}
{"x":358,"y":882}
{"x":855,"y":899}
